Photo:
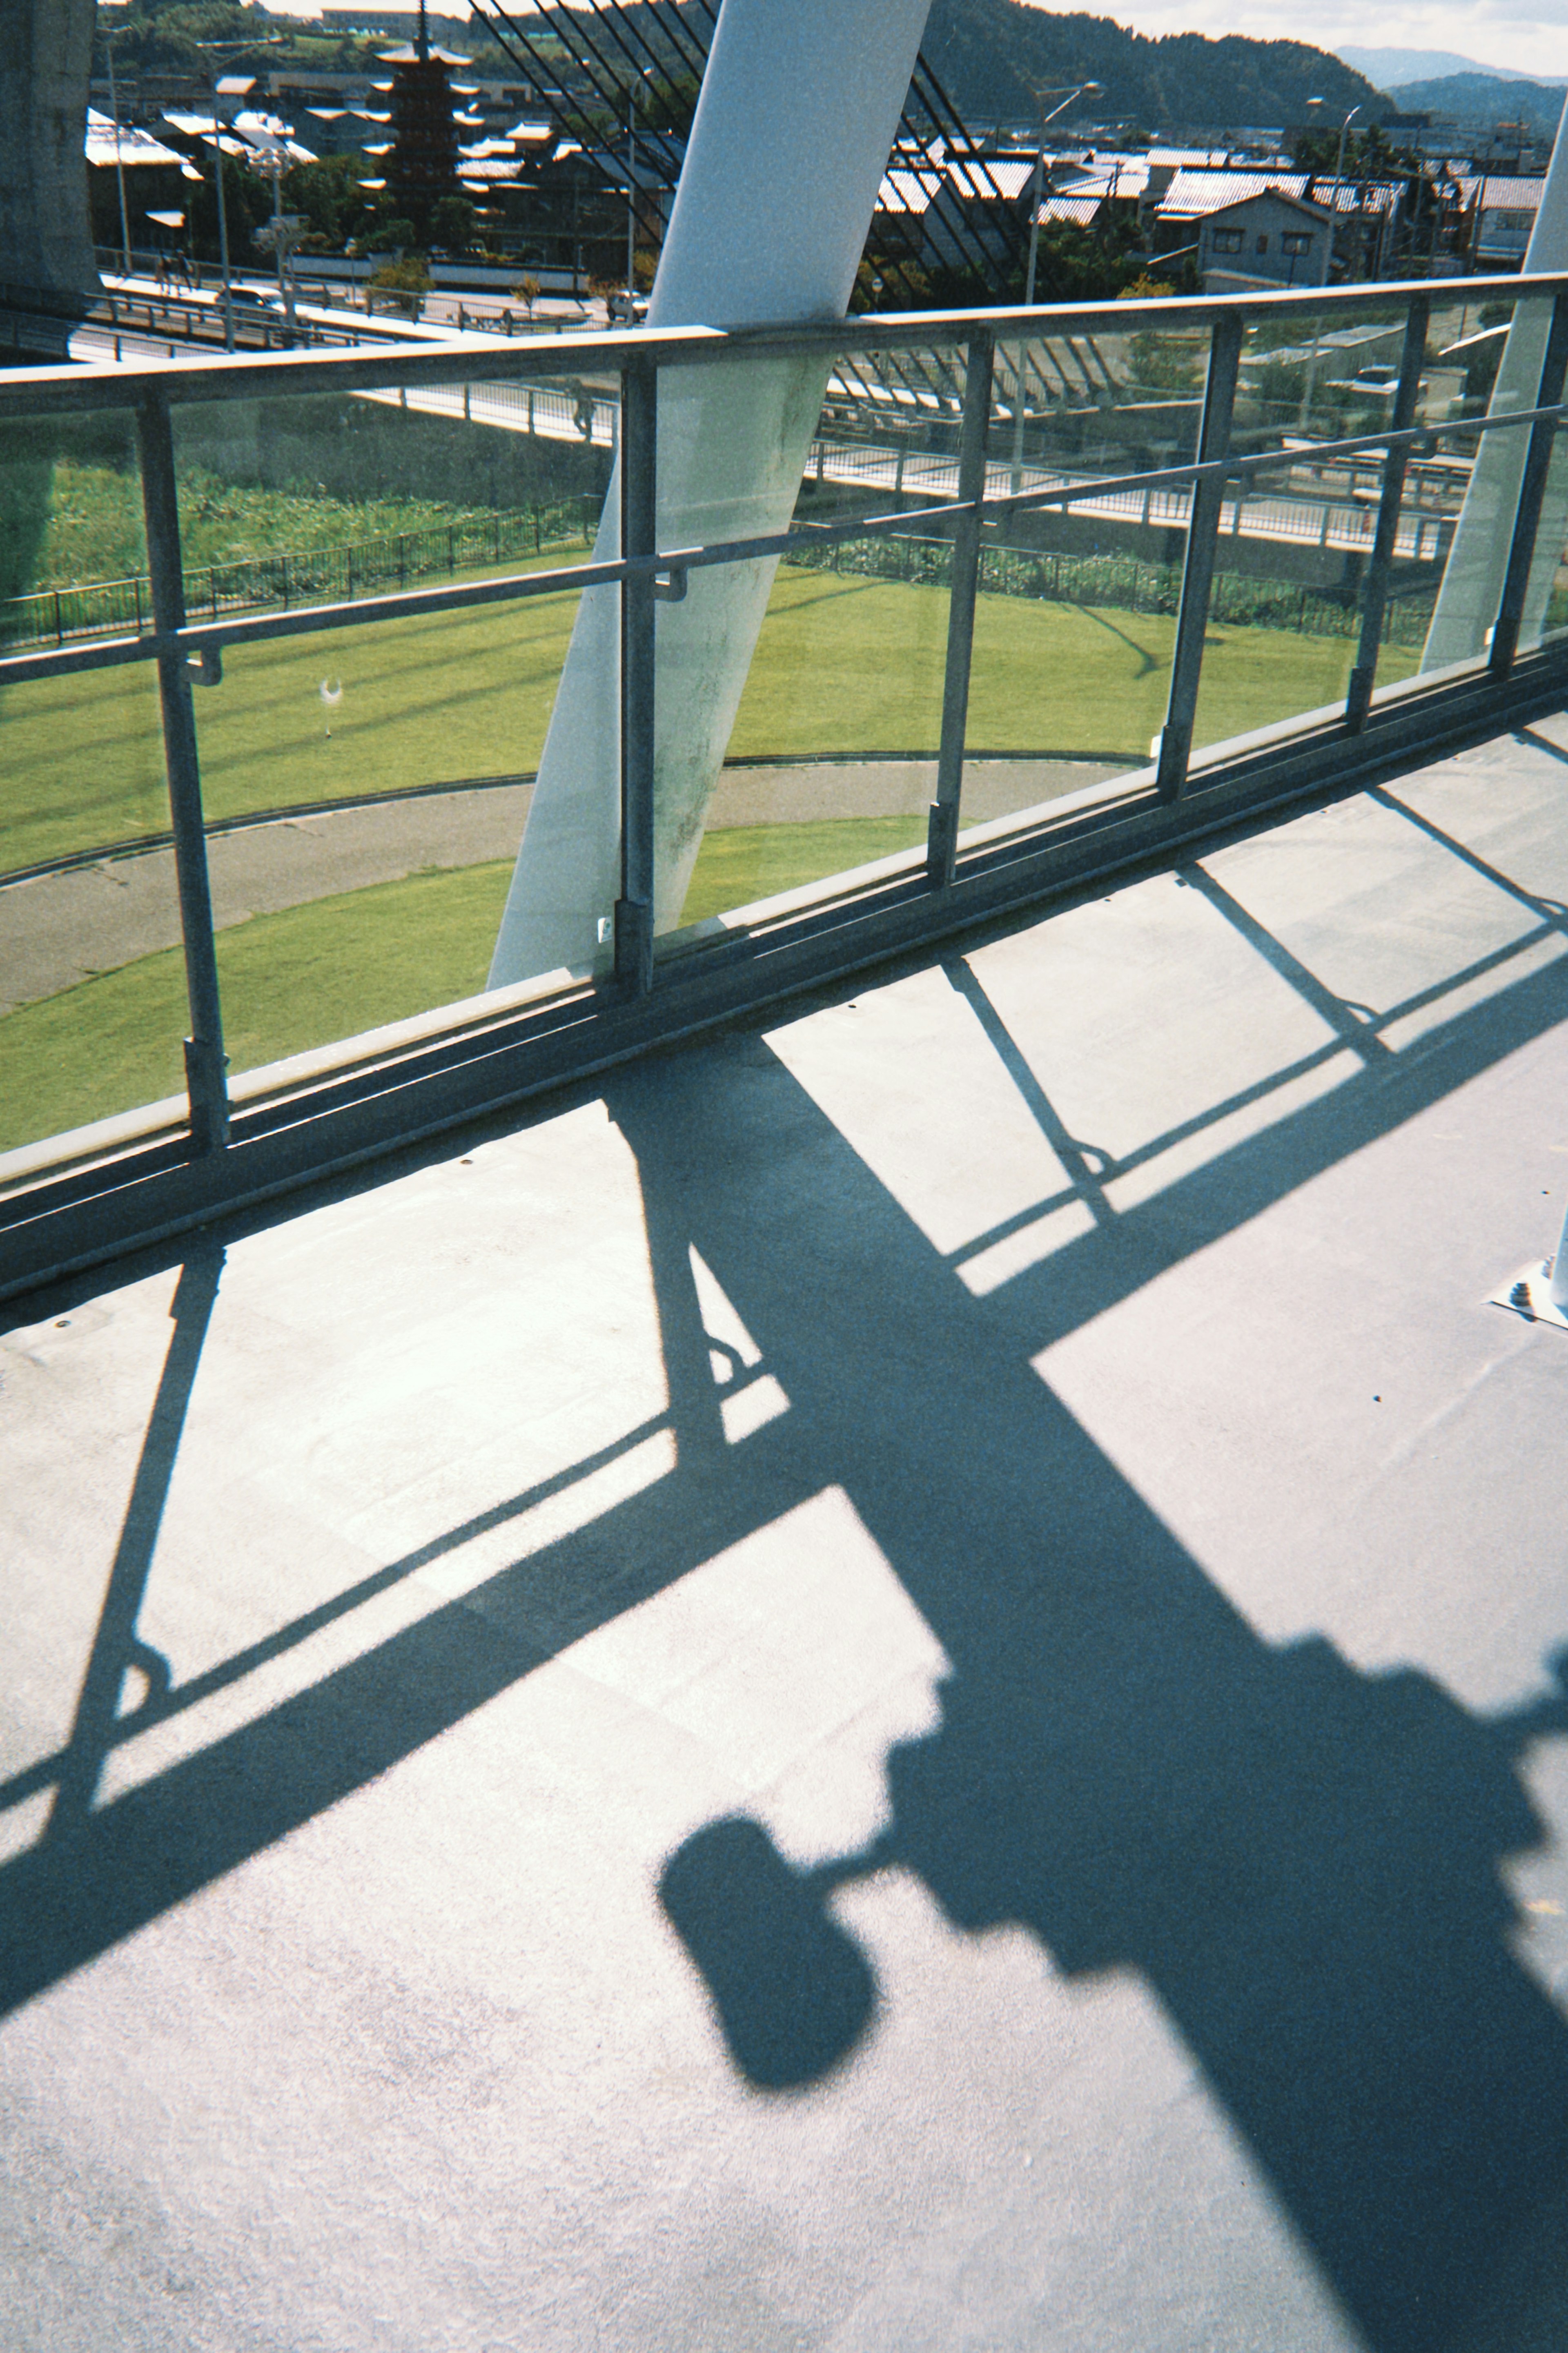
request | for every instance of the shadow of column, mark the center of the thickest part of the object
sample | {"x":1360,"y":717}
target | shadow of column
{"x":1301,"y":1859}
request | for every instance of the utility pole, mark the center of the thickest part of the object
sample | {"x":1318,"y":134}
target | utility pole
{"x":214,"y":50}
{"x":631,"y":192}
{"x":1334,"y":212}
{"x":110,"y":33}
{"x":1037,"y":197}
{"x":222,"y":220}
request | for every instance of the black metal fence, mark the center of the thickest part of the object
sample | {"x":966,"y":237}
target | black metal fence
{"x":52,"y":616}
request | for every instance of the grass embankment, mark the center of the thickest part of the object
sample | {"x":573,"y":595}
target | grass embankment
{"x":93,"y":528}
{"x":844,"y":666}
{"x":339,"y":966}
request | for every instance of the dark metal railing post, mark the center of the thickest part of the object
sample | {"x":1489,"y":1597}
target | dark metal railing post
{"x":639,"y":466}
{"x":1197,"y":572}
{"x":1374,"y":591}
{"x":1532,"y":493}
{"x":941,"y":830}
{"x":206,"y":1061}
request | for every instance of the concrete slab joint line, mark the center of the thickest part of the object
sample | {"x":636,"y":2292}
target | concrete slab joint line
{"x":881,"y":1684}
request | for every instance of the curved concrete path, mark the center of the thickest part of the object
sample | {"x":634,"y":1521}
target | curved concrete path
{"x":58,"y":929}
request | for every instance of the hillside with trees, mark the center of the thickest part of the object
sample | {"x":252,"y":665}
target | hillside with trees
{"x":1479,"y":102}
{"x":994,"y":54}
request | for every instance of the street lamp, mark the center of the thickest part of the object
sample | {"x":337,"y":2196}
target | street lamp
{"x":1038,"y":185}
{"x":1339,"y":176}
{"x":271,"y":152}
{"x":1311,"y":384}
{"x":216,"y":49}
{"x":1036,"y":197}
{"x":110,"y":33}
{"x":632,"y":190}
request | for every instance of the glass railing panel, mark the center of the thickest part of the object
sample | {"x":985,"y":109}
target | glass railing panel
{"x":1305,"y":376}
{"x":1437,"y":483}
{"x":367,"y":789}
{"x":82,"y":761}
{"x":1076,"y":605}
{"x":888,"y":433}
{"x":1508,"y":351}
{"x":1069,"y":672}
{"x":366,"y":786}
{"x":1461,"y":491}
{"x":92,"y":994}
{"x":1295,"y":540}
{"x":378,"y":710}
{"x":296,"y":502}
{"x":832,"y":757}
{"x":312,"y":970}
{"x":92,"y":990}
{"x":1079,"y":405}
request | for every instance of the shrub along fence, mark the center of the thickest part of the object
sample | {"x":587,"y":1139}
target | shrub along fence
{"x":1126,"y":584}
{"x":312,"y":575}
{"x":323,"y":575}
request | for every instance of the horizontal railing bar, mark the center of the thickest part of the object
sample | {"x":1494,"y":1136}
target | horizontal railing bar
{"x":471,"y":357}
{"x":302,"y":620}
{"x":76,"y":1217}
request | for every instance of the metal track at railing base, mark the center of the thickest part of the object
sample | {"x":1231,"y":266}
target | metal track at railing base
{"x":93,"y":1216}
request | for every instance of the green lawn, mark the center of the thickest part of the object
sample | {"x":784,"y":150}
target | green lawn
{"x":424,"y":701}
{"x":844,"y":665}
{"x":290,"y":981}
{"x":336,"y":966}
{"x":740,"y":864}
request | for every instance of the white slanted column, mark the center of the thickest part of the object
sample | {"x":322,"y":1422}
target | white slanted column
{"x":1472,"y":582}
{"x":799,"y":106}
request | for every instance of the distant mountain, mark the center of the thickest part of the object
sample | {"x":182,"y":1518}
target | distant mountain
{"x":992,"y":54}
{"x":1395,"y":68}
{"x":1477,"y":102}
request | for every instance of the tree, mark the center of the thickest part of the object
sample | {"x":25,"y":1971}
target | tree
{"x":328,"y":193}
{"x":1369,"y":154}
{"x":1073,"y":264}
{"x":405,"y":283}
{"x":246,"y":202}
{"x":452,"y":222}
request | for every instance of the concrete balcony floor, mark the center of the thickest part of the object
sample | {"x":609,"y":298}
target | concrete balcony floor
{"x":887,"y":1686}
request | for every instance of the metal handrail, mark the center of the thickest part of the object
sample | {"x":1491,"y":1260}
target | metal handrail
{"x":25,"y":392}
{"x":396,"y":605}
{"x":182,"y":647}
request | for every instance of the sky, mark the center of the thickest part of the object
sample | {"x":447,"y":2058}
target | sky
{"x":1494,"y":32}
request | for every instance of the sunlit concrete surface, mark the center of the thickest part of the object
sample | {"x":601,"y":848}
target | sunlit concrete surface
{"x":888,"y":1686}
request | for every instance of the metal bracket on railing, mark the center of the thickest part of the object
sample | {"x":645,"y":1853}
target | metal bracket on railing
{"x":204,"y":664}
{"x":669,"y":586}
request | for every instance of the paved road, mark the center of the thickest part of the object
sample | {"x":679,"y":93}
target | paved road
{"x":56,"y":929}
